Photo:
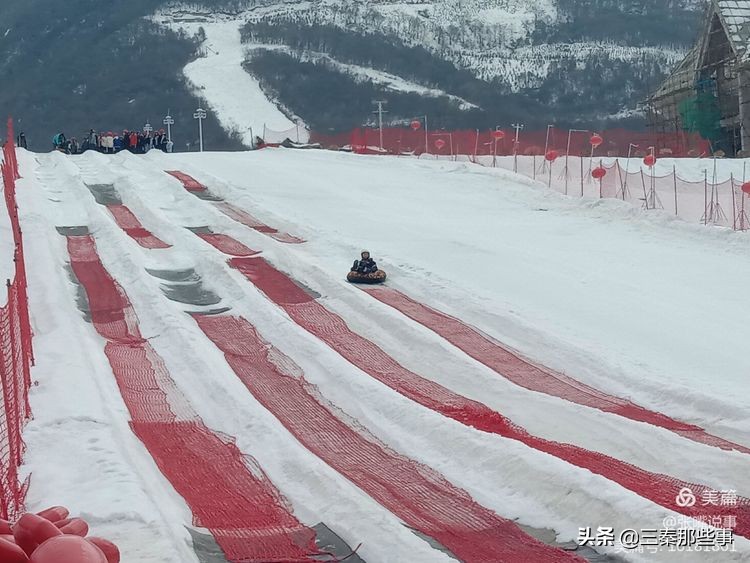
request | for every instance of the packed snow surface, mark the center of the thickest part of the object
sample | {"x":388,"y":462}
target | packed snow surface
{"x":636,"y":304}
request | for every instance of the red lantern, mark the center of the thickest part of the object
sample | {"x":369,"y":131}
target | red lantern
{"x":415,"y":125}
{"x":599,"y":172}
{"x":650,"y":160}
{"x":551,"y":156}
{"x":498,"y":135}
{"x":596,"y":140}
{"x":110,"y":550}
{"x":68,"y":549}
{"x":746,"y":188}
{"x":439,"y":144}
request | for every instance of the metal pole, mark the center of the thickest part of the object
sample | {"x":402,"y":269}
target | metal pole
{"x":674,"y":171}
{"x":200,"y":115}
{"x":426,"y":141}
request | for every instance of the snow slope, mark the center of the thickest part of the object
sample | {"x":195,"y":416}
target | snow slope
{"x":232,"y":94}
{"x":636,"y":305}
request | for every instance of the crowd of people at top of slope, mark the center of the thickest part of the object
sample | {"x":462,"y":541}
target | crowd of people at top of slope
{"x":138,"y":142}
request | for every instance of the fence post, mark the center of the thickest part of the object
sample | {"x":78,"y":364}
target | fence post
{"x":674,"y":173}
{"x":734,"y":202}
{"x":705,"y":197}
{"x":581,"y":159}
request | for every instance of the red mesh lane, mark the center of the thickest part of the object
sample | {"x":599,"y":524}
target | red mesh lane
{"x":238,"y":504}
{"x":368,"y":357}
{"x":188,"y":182}
{"x":227,"y":244}
{"x":494,"y":355}
{"x":133,"y":228}
{"x":243,"y":217}
{"x":418,"y":495}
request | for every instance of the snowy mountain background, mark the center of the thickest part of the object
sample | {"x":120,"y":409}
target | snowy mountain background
{"x":465,"y":63}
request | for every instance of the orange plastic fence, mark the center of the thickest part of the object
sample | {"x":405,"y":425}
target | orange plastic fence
{"x":491,"y":141}
{"x":16,"y":355}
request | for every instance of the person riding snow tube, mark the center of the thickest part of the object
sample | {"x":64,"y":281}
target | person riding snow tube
{"x":366,"y":270}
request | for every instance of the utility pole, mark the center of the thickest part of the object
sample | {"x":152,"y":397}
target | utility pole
{"x":380,"y":111}
{"x":168,"y":121}
{"x":200,"y":115}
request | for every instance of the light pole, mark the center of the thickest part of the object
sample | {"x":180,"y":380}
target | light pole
{"x":200,"y":115}
{"x":168,"y":121}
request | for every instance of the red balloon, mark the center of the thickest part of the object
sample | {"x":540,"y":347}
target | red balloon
{"x":109,"y":549}
{"x":439,"y":144}
{"x":650,"y":160}
{"x":551,"y":156}
{"x":5,"y":527}
{"x":599,"y":172}
{"x":73,"y":527}
{"x":31,"y":530}
{"x":498,"y":135}
{"x":68,"y":549}
{"x":55,"y":513}
{"x":11,"y":553}
{"x":596,"y":140}
{"x":746,"y":187}
{"x":416,"y":125}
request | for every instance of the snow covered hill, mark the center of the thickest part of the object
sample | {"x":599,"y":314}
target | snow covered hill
{"x":588,"y":62}
{"x":420,"y":406}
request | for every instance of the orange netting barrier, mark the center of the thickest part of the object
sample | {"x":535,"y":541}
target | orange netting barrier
{"x":524,"y":373}
{"x":16,"y":355}
{"x":488,"y":142}
{"x":564,"y":160}
{"x":421,"y":497}
{"x":226,"y":491}
{"x":371,"y":359}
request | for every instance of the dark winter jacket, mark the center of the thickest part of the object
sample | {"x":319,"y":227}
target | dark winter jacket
{"x":365,"y":266}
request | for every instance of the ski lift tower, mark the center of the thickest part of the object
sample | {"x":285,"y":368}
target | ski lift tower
{"x":200,"y":115}
{"x":168,"y":121}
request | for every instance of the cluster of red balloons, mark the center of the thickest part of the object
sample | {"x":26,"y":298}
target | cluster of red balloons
{"x":746,"y":188}
{"x":596,"y":140}
{"x":599,"y":172}
{"x":51,"y":536}
{"x":415,"y":125}
{"x":649,"y":160}
{"x":551,"y":156}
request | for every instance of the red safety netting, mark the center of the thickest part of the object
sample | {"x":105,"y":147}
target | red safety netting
{"x":243,"y":510}
{"x":188,"y":182}
{"x":522,"y":372}
{"x":227,"y":244}
{"x":487,"y":142}
{"x":243,"y":217}
{"x":372,"y":360}
{"x":133,"y":228}
{"x":418,"y":495}
{"x":16,"y":354}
